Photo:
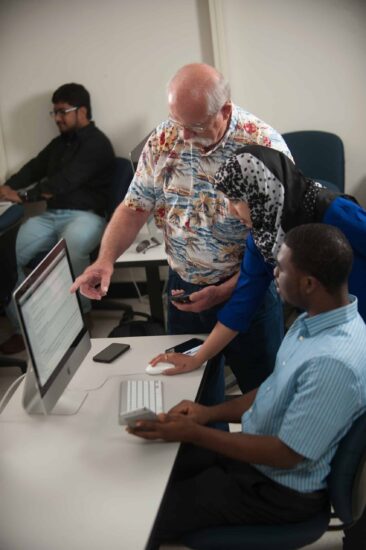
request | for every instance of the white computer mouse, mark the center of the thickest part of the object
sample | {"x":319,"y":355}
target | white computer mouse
{"x":159,"y":368}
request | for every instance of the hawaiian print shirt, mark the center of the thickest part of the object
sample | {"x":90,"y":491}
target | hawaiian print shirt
{"x":203,"y":242}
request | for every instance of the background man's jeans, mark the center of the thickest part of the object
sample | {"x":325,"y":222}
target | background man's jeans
{"x":82,"y":231}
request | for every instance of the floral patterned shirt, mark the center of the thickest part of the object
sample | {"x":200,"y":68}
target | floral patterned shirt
{"x":203,"y":242}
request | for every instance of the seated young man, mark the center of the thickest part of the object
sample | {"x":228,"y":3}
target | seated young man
{"x":274,"y":471}
{"x":73,"y":174}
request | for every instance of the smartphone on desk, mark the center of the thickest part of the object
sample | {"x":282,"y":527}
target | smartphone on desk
{"x":189,"y":347}
{"x":181,"y":298}
{"x":111,"y":352}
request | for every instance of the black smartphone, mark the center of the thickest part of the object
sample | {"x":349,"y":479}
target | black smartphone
{"x":185,"y":346}
{"x":111,"y":352}
{"x":181,"y":298}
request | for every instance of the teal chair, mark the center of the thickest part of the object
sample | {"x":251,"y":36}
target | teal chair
{"x":319,"y":155}
{"x":347,"y":491}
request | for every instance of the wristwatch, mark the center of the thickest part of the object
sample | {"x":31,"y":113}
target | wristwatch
{"x":23,"y":195}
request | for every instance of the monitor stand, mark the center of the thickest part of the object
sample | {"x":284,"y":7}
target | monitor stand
{"x":69,"y":403}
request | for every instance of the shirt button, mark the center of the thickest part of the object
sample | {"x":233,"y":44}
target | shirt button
{"x":301,"y":338}
{"x":283,"y":363}
{"x":250,"y":410}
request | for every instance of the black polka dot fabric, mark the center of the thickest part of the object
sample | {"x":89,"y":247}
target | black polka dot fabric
{"x":246,"y":178}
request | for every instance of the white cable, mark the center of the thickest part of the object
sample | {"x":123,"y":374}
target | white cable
{"x":7,"y":395}
{"x":141,"y":298}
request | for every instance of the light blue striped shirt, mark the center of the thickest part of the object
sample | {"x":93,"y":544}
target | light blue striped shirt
{"x":316,"y":391}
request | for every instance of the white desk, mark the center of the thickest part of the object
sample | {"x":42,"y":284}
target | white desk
{"x":81,"y":482}
{"x":151,"y":259}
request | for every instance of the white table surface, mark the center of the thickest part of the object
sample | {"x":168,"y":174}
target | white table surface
{"x":154,"y":254}
{"x":82,"y":482}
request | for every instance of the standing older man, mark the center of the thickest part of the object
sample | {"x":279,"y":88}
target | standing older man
{"x":204,"y":243}
{"x":73,"y":174}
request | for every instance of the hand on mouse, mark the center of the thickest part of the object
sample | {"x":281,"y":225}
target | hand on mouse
{"x":182,"y":362}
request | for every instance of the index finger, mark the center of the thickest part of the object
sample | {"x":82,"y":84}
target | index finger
{"x":77,"y":283}
{"x":158,"y":359}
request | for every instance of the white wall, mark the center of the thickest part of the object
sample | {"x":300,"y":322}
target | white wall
{"x":300,"y":64}
{"x":123,"y":51}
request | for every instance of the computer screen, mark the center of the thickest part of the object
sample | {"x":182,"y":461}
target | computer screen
{"x":53,"y":327}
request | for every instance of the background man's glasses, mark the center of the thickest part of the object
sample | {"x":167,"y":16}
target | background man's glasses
{"x":63,"y":112}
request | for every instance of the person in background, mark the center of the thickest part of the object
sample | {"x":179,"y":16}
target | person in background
{"x":292,"y":424}
{"x":72,"y":174}
{"x":203,"y":241}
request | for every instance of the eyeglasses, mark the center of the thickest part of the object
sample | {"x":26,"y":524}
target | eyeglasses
{"x":197,"y":128}
{"x":63,"y":112}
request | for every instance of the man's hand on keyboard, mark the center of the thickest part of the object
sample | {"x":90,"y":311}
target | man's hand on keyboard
{"x":182,"y":362}
{"x":198,"y":413}
{"x":169,"y":427}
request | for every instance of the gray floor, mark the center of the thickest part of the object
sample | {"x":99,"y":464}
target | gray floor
{"x":102,"y":323}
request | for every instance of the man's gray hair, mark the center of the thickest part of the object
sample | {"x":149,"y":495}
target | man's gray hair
{"x":217,"y":92}
{"x":218,"y":95}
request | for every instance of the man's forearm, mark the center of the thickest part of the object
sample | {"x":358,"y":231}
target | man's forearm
{"x":233,"y":409}
{"x":121,"y":232}
{"x":254,"y":449}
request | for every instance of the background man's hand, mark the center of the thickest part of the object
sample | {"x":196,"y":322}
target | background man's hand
{"x":8,"y":194}
{"x":95,"y":280}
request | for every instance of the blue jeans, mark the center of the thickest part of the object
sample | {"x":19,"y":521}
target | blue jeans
{"x":251,"y":355}
{"x":82,"y":231}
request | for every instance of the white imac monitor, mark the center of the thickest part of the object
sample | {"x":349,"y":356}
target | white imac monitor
{"x":55,"y":334}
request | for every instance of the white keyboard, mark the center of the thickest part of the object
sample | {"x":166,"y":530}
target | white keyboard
{"x":137,"y":394}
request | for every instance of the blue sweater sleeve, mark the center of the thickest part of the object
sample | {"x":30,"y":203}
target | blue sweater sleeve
{"x":254,"y":279}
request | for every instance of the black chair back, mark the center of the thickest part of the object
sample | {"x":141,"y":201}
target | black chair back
{"x":319,"y":155}
{"x":347,"y":480}
{"x":122,"y":178}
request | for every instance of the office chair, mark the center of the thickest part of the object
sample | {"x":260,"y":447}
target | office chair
{"x":120,"y":183}
{"x":136,"y":152}
{"x":9,"y":223}
{"x":319,"y":155}
{"x":347,"y":491}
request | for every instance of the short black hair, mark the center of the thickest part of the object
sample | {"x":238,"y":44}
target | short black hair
{"x":75,"y":95}
{"x":322,"y":251}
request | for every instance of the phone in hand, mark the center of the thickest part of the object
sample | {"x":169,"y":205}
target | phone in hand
{"x":130,"y":418}
{"x":188,"y":347}
{"x":181,"y":298}
{"x":111,"y":352}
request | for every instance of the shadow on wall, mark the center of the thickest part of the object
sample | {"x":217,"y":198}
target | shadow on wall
{"x":126,"y":136}
{"x":360,"y":192}
{"x":28,"y":130}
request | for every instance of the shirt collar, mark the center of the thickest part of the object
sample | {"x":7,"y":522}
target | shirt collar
{"x":79,"y":133}
{"x":228,"y":133}
{"x":338,"y":316}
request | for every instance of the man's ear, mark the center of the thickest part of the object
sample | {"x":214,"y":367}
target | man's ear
{"x":226,"y":110}
{"x":310,"y":284}
{"x":83,"y":111}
